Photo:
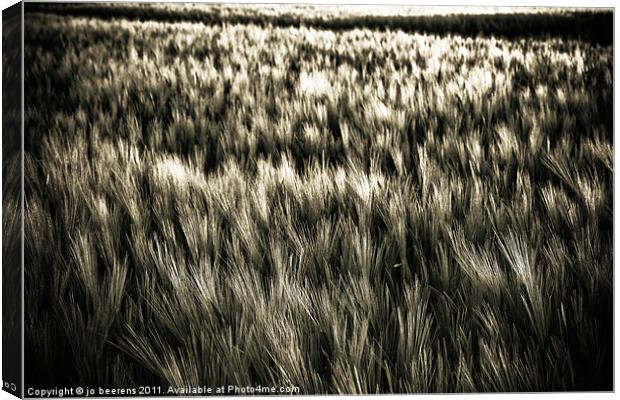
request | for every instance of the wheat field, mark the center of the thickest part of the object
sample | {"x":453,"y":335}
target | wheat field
{"x":340,"y":208}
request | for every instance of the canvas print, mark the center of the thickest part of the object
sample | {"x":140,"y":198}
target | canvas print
{"x":310,"y":199}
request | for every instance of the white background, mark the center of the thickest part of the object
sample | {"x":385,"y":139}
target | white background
{"x":566,"y":3}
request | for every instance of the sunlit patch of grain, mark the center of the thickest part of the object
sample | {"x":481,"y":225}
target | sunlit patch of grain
{"x":314,"y":84}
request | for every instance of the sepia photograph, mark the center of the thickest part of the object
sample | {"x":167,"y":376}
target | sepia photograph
{"x":309,"y":199}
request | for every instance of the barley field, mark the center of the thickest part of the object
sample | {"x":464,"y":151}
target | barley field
{"x":262,"y":198}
